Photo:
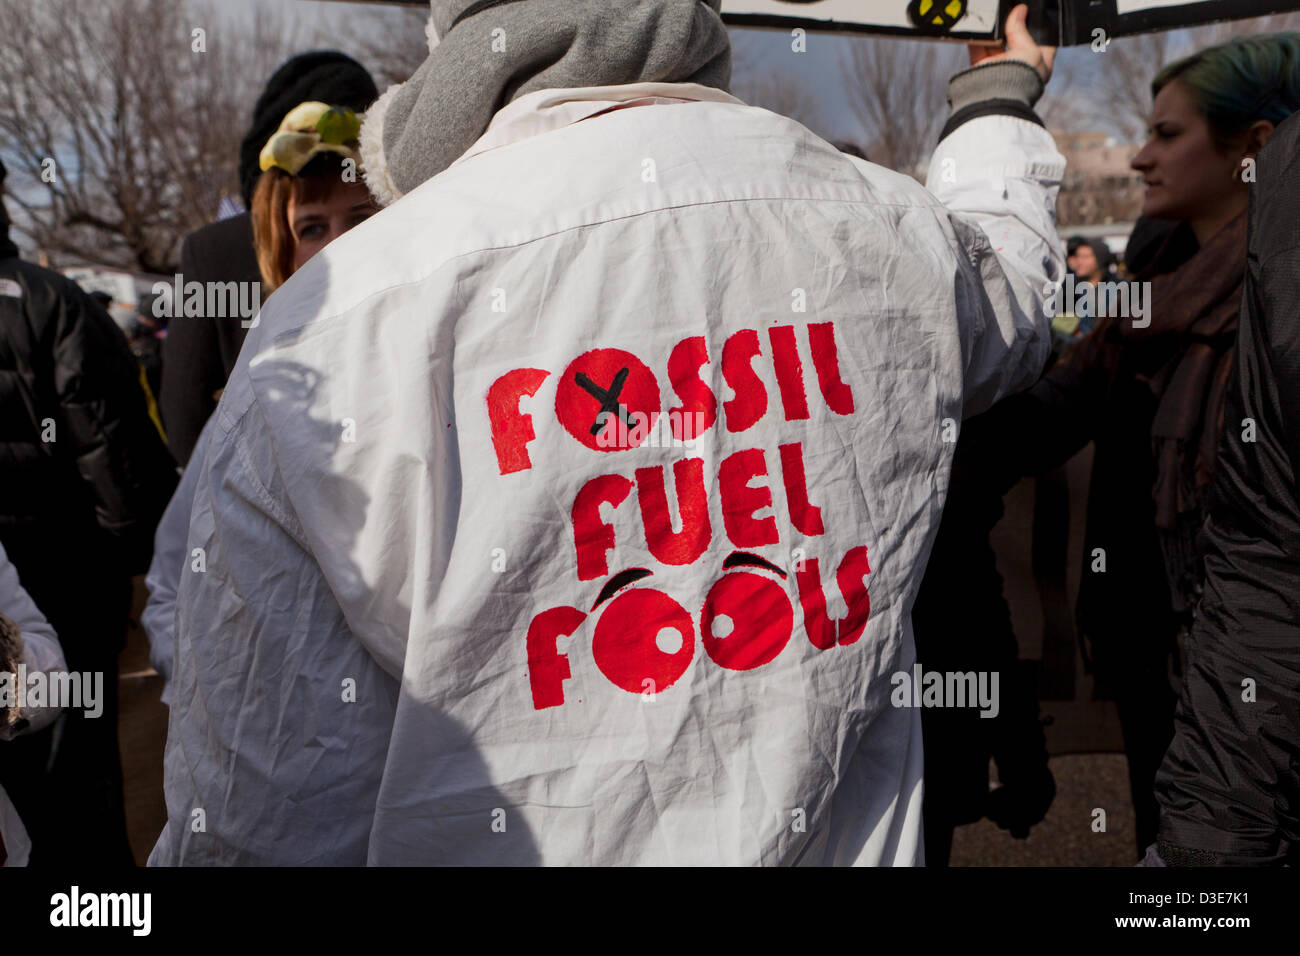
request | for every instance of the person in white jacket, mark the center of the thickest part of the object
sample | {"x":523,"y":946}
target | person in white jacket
{"x":299,"y":208}
{"x":571,"y":509}
{"x":26,"y":639}
{"x":166,"y":567}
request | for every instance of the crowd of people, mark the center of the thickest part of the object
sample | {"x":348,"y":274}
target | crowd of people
{"x":404,"y":604}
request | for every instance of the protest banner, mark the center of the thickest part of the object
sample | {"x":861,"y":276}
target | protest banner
{"x":1055,"y":22}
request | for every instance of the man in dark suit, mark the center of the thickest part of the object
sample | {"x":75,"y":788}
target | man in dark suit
{"x":200,"y":351}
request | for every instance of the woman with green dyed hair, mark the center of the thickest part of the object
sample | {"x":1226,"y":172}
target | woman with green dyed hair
{"x":1147,"y":384}
{"x":1213,"y":113}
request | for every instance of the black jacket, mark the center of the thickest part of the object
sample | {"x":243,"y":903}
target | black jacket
{"x":200,"y":351}
{"x":84,"y":474}
{"x":1229,"y":788}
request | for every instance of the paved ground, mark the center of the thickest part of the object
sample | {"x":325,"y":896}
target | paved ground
{"x":142,"y":730}
{"x":1084,"y":784}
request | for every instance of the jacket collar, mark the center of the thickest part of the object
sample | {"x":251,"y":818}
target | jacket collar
{"x":545,"y":110}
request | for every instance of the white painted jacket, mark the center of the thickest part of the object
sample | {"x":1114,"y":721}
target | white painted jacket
{"x":571,"y":509}
{"x":170,"y":559}
{"x":42,"y":652}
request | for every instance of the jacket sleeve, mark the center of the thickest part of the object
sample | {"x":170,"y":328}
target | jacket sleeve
{"x":998,"y":171}
{"x":37,"y":645}
{"x":170,"y":558}
{"x":103,"y":417}
{"x":1228,"y":784}
{"x":260,"y":729}
{"x":191,"y":370}
{"x":1062,"y":411}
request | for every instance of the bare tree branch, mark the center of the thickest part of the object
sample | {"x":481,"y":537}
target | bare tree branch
{"x":142,"y":122}
{"x":396,"y":46}
{"x":899,"y":88}
{"x":1129,"y":64}
{"x":755,"y":80}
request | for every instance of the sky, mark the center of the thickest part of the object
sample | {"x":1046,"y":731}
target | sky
{"x":819,"y":69}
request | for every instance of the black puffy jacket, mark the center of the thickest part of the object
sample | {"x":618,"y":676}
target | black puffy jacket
{"x":84,"y":474}
{"x":1229,"y":788}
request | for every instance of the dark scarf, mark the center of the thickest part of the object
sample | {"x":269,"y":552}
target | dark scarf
{"x":1196,"y":303}
{"x":1185,"y":357}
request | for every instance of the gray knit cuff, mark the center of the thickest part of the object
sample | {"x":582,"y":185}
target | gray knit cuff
{"x":1002,"y":80}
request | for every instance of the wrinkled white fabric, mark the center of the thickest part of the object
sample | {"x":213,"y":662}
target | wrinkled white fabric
{"x":169,"y":560}
{"x":41,"y":649}
{"x":17,"y":844}
{"x":41,"y":652}
{"x":401,"y":484}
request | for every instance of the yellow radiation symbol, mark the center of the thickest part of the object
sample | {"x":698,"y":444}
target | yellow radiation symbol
{"x":936,"y":14}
